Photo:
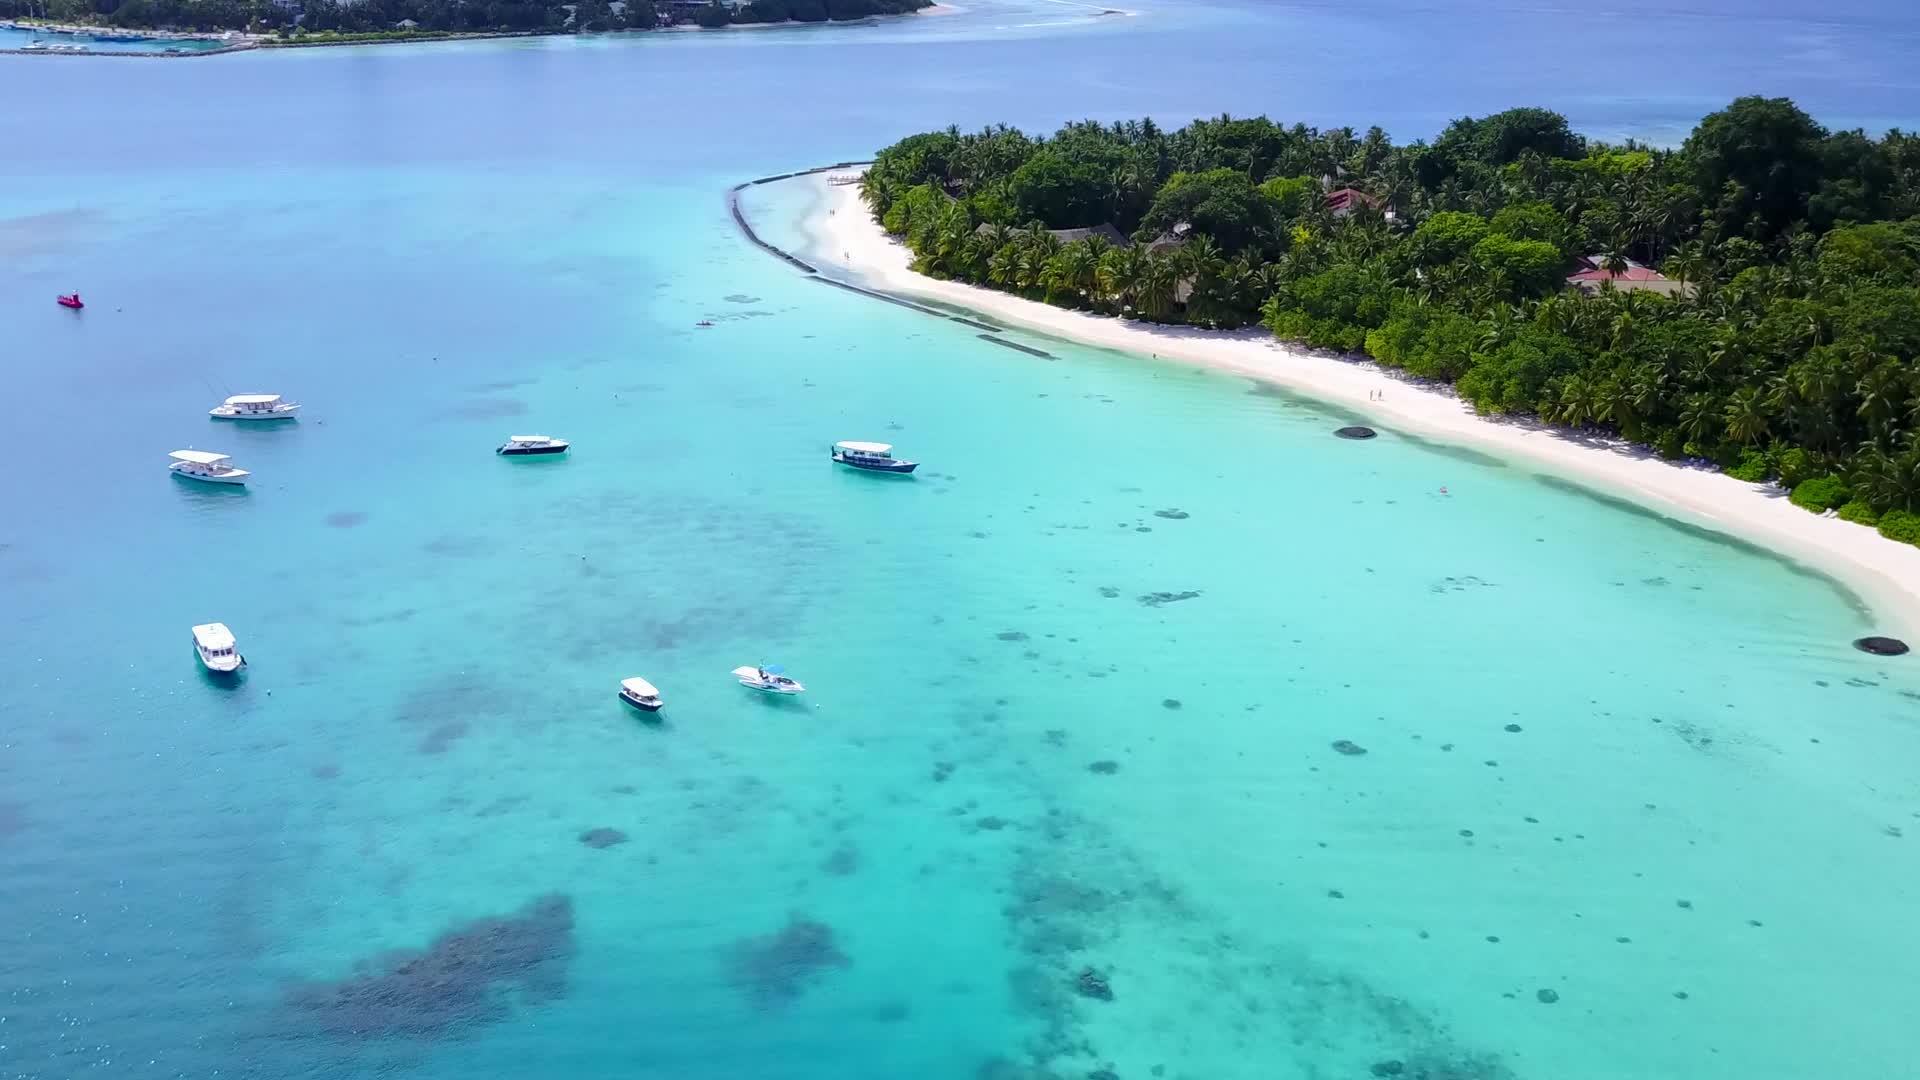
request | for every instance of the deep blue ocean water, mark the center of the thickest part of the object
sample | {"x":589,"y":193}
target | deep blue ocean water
{"x":1016,"y":761}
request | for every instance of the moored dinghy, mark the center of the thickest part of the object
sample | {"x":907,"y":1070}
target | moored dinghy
{"x":217,"y":650}
{"x":871,"y":456}
{"x":254,"y":407}
{"x":203,"y":465}
{"x":770,"y":678}
{"x":640,"y":694}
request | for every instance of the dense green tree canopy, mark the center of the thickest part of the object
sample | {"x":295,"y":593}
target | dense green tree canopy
{"x":1221,"y":203}
{"x":1052,"y":187}
{"x":1757,"y":162}
{"x":1782,"y":341}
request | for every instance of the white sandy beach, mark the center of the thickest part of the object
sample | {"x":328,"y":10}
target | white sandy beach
{"x":849,"y":244}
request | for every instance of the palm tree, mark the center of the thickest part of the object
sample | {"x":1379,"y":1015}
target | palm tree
{"x":1881,"y":393}
{"x":873,"y":192}
{"x":1746,"y":416}
{"x":1685,"y":264}
{"x":1121,"y":274}
{"x":951,"y":237}
{"x":1888,"y":481}
{"x":1159,"y":284}
{"x":1199,"y":265}
{"x":1700,"y":419}
{"x":1003,"y":268}
{"x":1577,"y":403}
{"x":1073,"y":271}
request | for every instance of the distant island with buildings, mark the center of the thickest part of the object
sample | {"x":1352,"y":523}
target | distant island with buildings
{"x":282,"y":23}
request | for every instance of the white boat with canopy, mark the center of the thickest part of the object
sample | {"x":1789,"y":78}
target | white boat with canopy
{"x":255,"y":407}
{"x":204,"y":465}
{"x":871,"y":456}
{"x":640,"y":694}
{"x":770,"y":678}
{"x":219,"y":653}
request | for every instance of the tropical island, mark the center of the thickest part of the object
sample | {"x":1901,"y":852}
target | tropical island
{"x":1751,"y":298}
{"x":297,"y":22}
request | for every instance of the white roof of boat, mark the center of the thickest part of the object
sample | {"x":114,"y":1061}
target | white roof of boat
{"x":866,"y":447}
{"x":639,"y":686}
{"x":199,"y":457}
{"x":253,"y":399}
{"x":531,"y":438}
{"x":213,"y":635}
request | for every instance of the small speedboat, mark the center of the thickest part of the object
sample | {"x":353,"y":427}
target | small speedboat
{"x":217,"y":650}
{"x":254,"y":407}
{"x":640,"y":694}
{"x":201,"y":465}
{"x":771,"y":678}
{"x":529,"y":445}
{"x":871,"y":456}
{"x":71,"y":300}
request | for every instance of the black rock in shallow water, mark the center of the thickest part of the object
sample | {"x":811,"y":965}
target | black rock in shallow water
{"x":603,"y":837}
{"x":1349,"y":747}
{"x":1155,"y":599}
{"x":1881,"y":646}
{"x":1356,"y":432}
{"x":1094,"y":985}
{"x":1546,"y":997}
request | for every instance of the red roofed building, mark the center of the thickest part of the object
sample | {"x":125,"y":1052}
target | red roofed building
{"x":1590,"y":273}
{"x":1344,"y":201}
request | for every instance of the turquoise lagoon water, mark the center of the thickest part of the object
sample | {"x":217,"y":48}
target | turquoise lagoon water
{"x":1016,"y":761}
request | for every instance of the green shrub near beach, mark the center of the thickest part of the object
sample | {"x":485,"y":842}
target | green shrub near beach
{"x":1820,"y":494}
{"x":1901,"y":525}
{"x":1754,"y":467}
{"x":1858,"y":512}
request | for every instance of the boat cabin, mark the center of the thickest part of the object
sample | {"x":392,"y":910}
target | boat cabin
{"x":871,"y":450}
{"x":254,"y":407}
{"x":641,"y":694}
{"x":870,"y":456}
{"x":217,"y":649}
{"x":517,"y":445}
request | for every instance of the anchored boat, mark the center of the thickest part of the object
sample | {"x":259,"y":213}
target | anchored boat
{"x":217,"y":650}
{"x":871,"y":456}
{"x":530,"y":445}
{"x":640,"y":694}
{"x":769,"y":678}
{"x":201,"y":465}
{"x":254,"y":407}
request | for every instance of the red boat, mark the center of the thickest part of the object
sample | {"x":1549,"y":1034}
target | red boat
{"x":72,"y":301}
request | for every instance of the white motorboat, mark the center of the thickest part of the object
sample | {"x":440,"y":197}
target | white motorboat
{"x":640,"y":694}
{"x":771,"y":678}
{"x":254,"y":407}
{"x":871,"y":456}
{"x":202,"y":465}
{"x":217,"y":649}
{"x":529,"y":445}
